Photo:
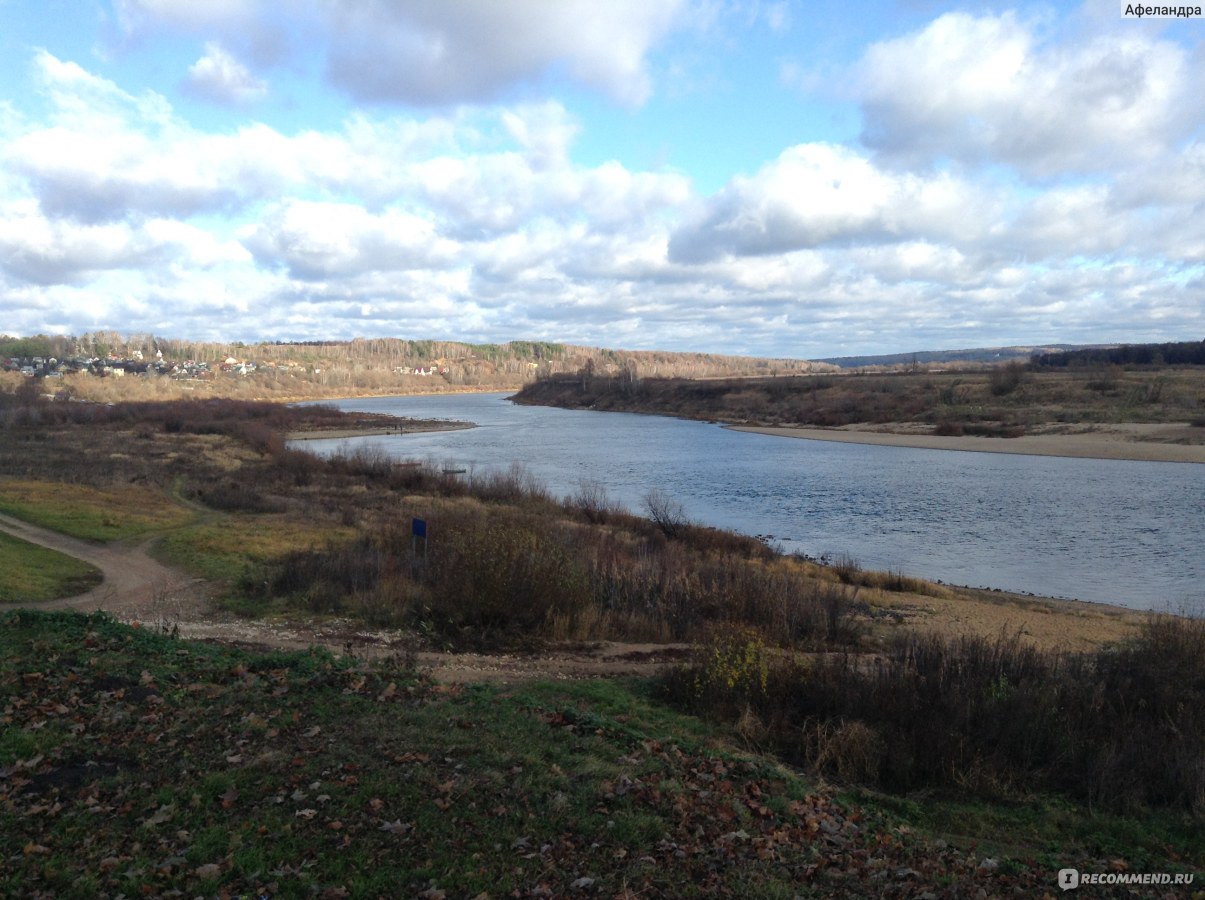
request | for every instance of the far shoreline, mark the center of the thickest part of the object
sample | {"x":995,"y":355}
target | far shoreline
{"x":1114,"y":443}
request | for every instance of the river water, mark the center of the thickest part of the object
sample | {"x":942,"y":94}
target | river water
{"x":1131,"y":533}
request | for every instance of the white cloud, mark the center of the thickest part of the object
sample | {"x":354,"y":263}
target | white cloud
{"x":41,"y":250}
{"x":479,"y":223}
{"x":818,"y":194}
{"x":418,"y":52}
{"x":990,"y":89}
{"x":219,"y":77}
{"x":330,"y":240}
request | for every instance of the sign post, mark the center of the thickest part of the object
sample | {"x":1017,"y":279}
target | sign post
{"x":418,"y":529}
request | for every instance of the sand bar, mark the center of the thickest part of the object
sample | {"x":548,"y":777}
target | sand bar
{"x":403,"y":427}
{"x":1134,"y":442}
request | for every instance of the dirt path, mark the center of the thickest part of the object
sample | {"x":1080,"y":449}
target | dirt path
{"x":134,"y":583}
{"x":139,"y":588}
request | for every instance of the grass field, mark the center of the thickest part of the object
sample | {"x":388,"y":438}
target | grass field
{"x":31,"y":574}
{"x":139,"y":764}
{"x":91,"y":513}
{"x":235,"y":549}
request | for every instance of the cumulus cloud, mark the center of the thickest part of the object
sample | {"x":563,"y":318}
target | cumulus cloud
{"x":48,"y":251}
{"x":476,"y":222}
{"x":104,"y":154}
{"x":420,"y":52}
{"x":219,"y":77}
{"x":423,"y":53}
{"x":329,"y":240}
{"x":989,"y":89}
{"x":814,"y":195}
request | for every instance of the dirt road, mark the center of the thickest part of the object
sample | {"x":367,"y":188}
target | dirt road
{"x":134,"y":583}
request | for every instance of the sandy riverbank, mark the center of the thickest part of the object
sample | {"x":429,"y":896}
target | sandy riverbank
{"x":1150,"y":443}
{"x":405,"y":427}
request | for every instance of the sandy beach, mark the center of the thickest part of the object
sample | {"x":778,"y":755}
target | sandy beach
{"x":1149,"y":443}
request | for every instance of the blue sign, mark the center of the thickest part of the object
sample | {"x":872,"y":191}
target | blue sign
{"x":418,"y":527}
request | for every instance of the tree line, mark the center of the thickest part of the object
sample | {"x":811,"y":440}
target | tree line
{"x":1180,"y":353}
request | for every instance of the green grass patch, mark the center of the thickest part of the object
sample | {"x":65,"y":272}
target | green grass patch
{"x":1050,"y":829}
{"x":237,"y":546}
{"x":90,"y":513}
{"x":240,"y":549}
{"x":180,"y":767}
{"x":30,"y":574}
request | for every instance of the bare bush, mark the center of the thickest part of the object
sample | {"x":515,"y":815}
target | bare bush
{"x":592,"y":500}
{"x":1003,"y":380}
{"x":667,"y":513}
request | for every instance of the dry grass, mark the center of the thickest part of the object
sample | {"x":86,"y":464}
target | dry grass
{"x":1043,"y":622}
{"x":92,"y":513}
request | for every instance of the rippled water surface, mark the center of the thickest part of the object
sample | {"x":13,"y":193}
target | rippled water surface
{"x":1116,"y":531}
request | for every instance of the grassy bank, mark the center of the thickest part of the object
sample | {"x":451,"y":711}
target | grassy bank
{"x":138,"y":764}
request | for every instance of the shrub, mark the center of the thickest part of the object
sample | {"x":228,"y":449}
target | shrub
{"x":1003,"y":380}
{"x":732,"y":665}
{"x":592,"y":501}
{"x":852,"y":751}
{"x":1121,"y":727}
{"x":666,"y":512}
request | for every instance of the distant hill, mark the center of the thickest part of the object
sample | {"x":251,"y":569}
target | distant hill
{"x":974,"y":355}
{"x":312,"y":369}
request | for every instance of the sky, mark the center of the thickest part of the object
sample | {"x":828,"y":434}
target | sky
{"x":788,"y":179}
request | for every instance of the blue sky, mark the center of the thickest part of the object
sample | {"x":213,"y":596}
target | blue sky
{"x":737,"y":176}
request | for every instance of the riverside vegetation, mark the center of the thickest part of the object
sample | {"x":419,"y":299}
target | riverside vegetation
{"x":1067,"y":391}
{"x":214,"y":769}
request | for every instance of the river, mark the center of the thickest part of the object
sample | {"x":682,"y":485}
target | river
{"x":1124,"y":532}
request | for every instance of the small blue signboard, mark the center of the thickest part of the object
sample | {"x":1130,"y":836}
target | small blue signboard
{"x":418,"y":527}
